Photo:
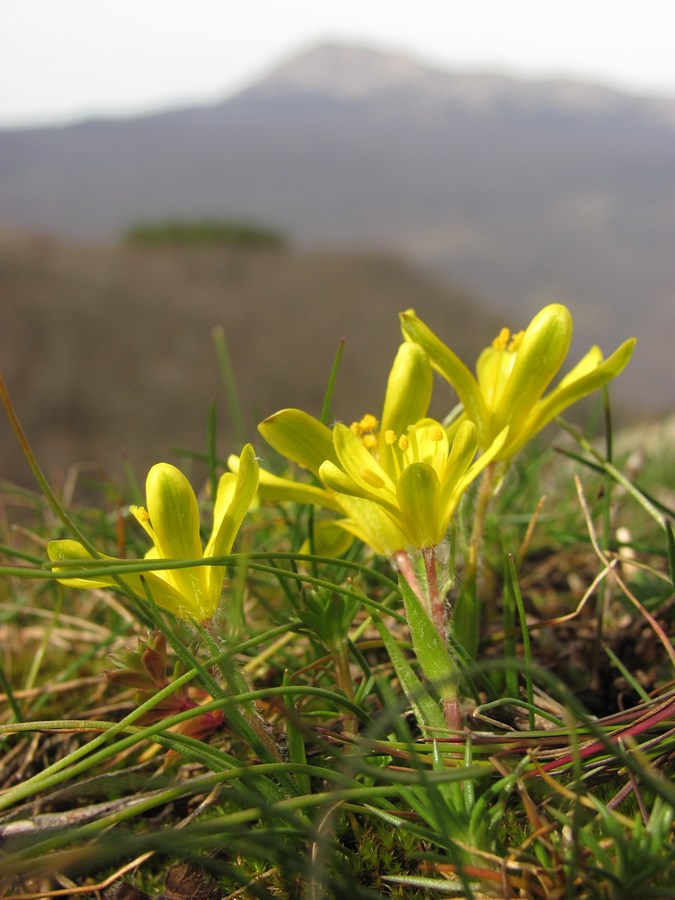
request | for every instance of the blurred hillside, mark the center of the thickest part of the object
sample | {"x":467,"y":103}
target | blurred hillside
{"x":108,"y":354}
{"x":522,"y":192}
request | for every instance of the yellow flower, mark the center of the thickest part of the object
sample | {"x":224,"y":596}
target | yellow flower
{"x":513,"y":374}
{"x":406,"y":496}
{"x":172,"y":522}
{"x":397,"y":480}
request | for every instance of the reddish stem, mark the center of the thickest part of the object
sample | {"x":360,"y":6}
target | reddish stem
{"x":405,"y":567}
{"x":436,"y":602}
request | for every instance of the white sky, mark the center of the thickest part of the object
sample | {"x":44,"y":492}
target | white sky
{"x":61,"y":60}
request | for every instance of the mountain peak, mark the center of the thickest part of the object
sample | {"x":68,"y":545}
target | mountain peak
{"x":345,"y":71}
{"x":358,"y":73}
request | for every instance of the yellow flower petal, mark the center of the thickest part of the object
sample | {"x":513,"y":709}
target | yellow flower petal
{"x":174,"y":516}
{"x":163,"y":592}
{"x":541,"y":353}
{"x":418,"y":492}
{"x":299,"y":437}
{"x":448,"y":364}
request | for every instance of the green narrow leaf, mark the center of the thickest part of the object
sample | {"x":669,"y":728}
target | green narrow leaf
{"x":234,"y":407}
{"x":326,"y":414}
{"x":427,"y":711}
{"x":212,"y":447}
{"x":452,"y":793}
{"x":510,"y":674}
{"x":671,"y":550}
{"x":17,"y":715}
{"x":527,"y":650}
{"x":296,"y":741}
{"x":434,"y":656}
{"x":630,"y":678}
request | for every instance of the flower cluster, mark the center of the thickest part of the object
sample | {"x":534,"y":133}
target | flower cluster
{"x":398,"y":480}
{"x":394,"y":481}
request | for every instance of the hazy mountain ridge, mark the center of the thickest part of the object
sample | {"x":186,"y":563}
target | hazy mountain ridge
{"x":522,"y":192}
{"x":352,"y":73}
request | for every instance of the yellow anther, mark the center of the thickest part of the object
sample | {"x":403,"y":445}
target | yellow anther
{"x":369,"y":441}
{"x":516,"y":341}
{"x":501,"y":342}
{"x":369,"y":423}
{"x":436,"y":434}
{"x":403,"y":442}
{"x":140,"y":513}
{"x":390,"y":437}
{"x":356,"y":429}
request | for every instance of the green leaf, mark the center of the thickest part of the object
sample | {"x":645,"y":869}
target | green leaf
{"x":427,"y":711}
{"x":295,"y":741}
{"x":434,"y":656}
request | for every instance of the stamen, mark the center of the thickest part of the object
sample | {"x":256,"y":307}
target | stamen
{"x":394,"y":458}
{"x":140,"y":513}
{"x":369,"y":423}
{"x":413,"y":446}
{"x":366,"y":429}
{"x":501,"y":342}
{"x":403,"y":443}
{"x":436,"y":435}
{"x":516,"y":341}
{"x":142,"y":516}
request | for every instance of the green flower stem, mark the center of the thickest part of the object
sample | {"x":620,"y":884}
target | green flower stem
{"x":427,"y":622}
{"x":436,"y":601}
{"x":439,"y":617}
{"x":407,"y":570}
{"x":482,"y":504}
{"x":467,"y":609}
